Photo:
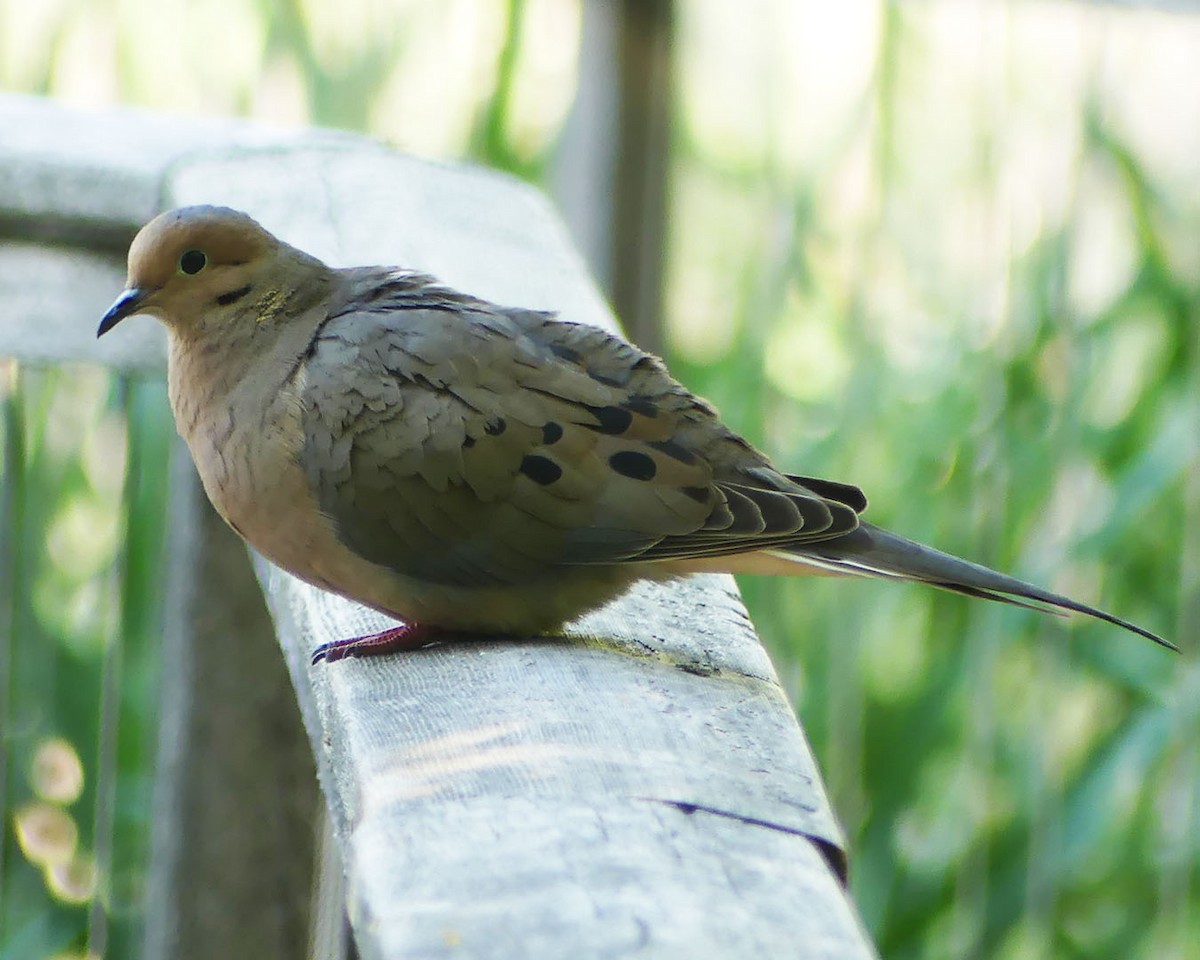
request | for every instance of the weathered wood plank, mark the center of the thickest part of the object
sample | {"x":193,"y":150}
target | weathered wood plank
{"x":95,"y":176}
{"x":52,"y":297}
{"x":640,"y":785}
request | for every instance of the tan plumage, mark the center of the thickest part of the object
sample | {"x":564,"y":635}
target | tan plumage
{"x":462,"y":465}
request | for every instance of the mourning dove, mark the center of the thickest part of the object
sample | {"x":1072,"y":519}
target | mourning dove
{"x":470,"y":467}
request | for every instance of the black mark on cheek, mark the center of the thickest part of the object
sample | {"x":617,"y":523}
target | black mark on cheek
{"x":233,"y":296}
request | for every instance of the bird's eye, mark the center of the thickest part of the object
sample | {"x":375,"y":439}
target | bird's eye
{"x":192,"y":261}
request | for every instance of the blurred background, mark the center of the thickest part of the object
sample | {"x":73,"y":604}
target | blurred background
{"x":945,"y":250}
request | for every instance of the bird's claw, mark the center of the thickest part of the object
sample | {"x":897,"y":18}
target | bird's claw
{"x":407,"y":636}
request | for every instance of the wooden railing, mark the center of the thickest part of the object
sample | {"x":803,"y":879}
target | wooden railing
{"x":639,"y":787}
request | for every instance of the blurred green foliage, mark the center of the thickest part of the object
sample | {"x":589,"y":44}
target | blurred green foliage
{"x":945,"y":251}
{"x":83,"y":525}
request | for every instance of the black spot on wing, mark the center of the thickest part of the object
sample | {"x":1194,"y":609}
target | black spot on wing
{"x":632,"y":464}
{"x":610,"y":420}
{"x":541,"y":470}
{"x":676,"y":451}
{"x":643,"y":405}
{"x":551,"y":433}
{"x":468,"y":442}
{"x":495,"y":426}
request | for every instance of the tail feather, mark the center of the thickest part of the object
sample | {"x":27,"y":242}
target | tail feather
{"x":872,"y":551}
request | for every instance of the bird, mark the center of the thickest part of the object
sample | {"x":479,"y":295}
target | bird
{"x":468,"y":467}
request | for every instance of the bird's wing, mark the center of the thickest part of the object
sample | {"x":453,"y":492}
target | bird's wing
{"x":460,"y":442}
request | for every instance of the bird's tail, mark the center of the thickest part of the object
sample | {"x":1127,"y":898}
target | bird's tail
{"x":872,"y":551}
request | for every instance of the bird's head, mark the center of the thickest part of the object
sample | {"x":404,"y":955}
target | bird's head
{"x":187,"y":263}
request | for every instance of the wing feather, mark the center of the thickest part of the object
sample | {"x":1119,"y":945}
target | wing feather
{"x":461,"y":442}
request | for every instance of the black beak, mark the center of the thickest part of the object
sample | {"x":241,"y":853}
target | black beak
{"x":128,"y":303}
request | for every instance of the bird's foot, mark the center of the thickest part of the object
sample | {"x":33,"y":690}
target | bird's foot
{"x":407,"y":636}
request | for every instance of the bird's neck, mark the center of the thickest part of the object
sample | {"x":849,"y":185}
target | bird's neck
{"x":209,"y":369}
